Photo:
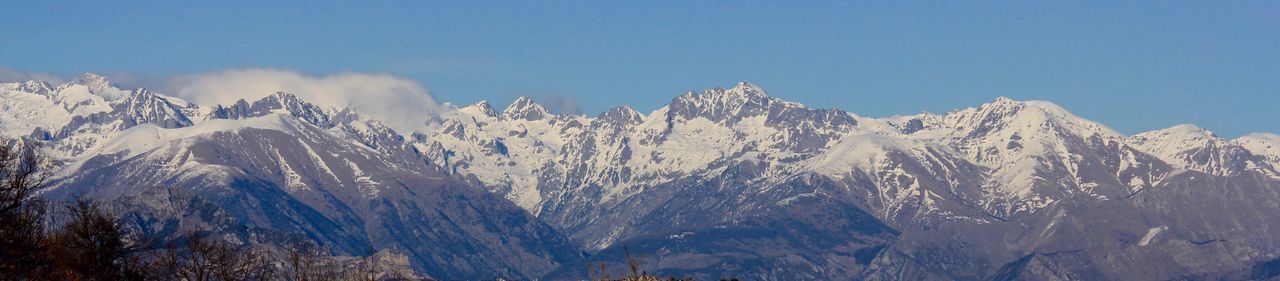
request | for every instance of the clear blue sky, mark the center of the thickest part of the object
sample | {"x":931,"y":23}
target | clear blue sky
{"x":1134,"y":66}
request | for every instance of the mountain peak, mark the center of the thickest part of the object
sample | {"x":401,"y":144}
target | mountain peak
{"x":142,"y":94}
{"x":742,"y":92}
{"x":283,"y":100}
{"x":101,"y":86}
{"x":525,"y":108}
{"x":284,"y":97}
{"x":1168,"y":142}
{"x":1263,"y":136}
{"x":1178,"y":134}
{"x":1191,"y":147}
{"x":718,"y":104}
{"x":1190,"y":130}
{"x":95,"y":82}
{"x":1003,"y":103}
{"x":621,"y":115}
{"x":37,"y":87}
{"x":749,"y":90}
{"x":480,"y":108}
{"x":1265,"y":144}
{"x":143,"y":106}
{"x":1029,"y":113}
{"x":94,"y":78}
{"x":291,"y":102}
{"x":1047,"y":107}
{"x":278,"y":102}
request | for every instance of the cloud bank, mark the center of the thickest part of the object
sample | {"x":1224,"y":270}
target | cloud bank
{"x":400,"y":103}
{"x":12,"y":75}
{"x":559,"y":104}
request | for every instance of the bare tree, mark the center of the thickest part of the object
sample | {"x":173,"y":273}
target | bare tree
{"x":227,"y":261}
{"x":308,"y":263}
{"x":367,"y":268}
{"x":202,"y":258}
{"x":300,"y":261}
{"x":89,"y":246}
{"x":92,"y":243}
{"x":262,"y":266}
{"x":22,"y":172}
{"x":22,"y":233}
{"x":138,"y":268}
{"x":632,"y":262}
{"x":191,"y":262}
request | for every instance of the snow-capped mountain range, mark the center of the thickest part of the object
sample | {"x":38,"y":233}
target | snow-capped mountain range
{"x":719,"y":181}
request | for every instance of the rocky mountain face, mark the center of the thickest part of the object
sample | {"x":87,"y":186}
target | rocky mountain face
{"x":723,"y":182}
{"x":281,"y":169}
{"x":1002,"y":190}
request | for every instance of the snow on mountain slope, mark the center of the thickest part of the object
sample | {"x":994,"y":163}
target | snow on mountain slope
{"x":910,"y":183}
{"x":1013,"y":137}
{"x":83,"y":114}
{"x":176,"y":153}
{"x":29,"y":105}
{"x":1039,"y":153}
{"x":1034,"y":152}
{"x":279,"y":166}
{"x":1167,"y":143}
{"x":695,"y":133}
{"x":506,"y":151}
{"x":25,"y":107}
{"x":282,"y":175}
{"x":100,"y":86}
{"x":80,"y":115}
{"x":1190,"y":147}
{"x":145,"y":137}
{"x":345,"y":122}
{"x":1262,"y":144}
{"x":528,"y":153}
{"x":1022,"y":156}
{"x":79,"y":100}
{"x":735,"y":158}
{"x":863,"y":152}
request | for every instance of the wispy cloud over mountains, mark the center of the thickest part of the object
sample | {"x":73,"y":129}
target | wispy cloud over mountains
{"x":381,"y":96}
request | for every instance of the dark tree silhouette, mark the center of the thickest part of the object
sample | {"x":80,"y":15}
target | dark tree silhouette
{"x":201,"y":258}
{"x":91,"y":244}
{"x":88,"y":247}
{"x":22,"y":232}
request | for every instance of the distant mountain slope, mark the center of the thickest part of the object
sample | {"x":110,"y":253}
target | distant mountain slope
{"x":726,"y":155}
{"x":278,"y":173}
{"x":280,"y":168}
{"x":714,"y":183}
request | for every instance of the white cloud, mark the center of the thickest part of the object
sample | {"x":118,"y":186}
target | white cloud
{"x":559,"y":104}
{"x":400,"y":103}
{"x":11,"y":75}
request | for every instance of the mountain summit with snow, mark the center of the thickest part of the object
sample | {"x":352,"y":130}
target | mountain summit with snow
{"x":713,"y":183}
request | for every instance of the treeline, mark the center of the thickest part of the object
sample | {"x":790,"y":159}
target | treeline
{"x":87,"y":242}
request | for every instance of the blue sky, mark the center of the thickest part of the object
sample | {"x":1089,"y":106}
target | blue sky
{"x":1134,"y":66}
